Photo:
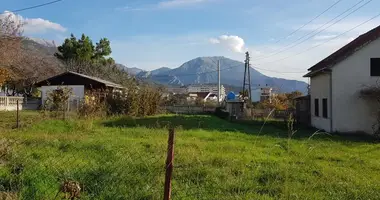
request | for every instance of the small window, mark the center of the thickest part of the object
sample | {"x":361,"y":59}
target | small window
{"x":316,"y":107}
{"x":375,"y":66}
{"x":324,"y":108}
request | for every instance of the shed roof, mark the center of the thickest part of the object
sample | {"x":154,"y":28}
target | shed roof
{"x":344,"y":52}
{"x":98,"y":80}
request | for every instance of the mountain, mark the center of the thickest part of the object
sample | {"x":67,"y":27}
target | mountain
{"x":203,"y":70}
{"x":131,"y":71}
{"x":44,"y":42}
{"x":147,"y":74}
{"x":37,"y":60}
{"x":134,"y":70}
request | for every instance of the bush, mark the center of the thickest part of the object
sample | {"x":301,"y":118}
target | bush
{"x":219,"y":112}
{"x":135,"y":101}
{"x":57,"y":102}
{"x":93,"y":106}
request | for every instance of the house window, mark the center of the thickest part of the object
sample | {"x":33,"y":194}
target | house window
{"x":316,"y":107}
{"x":324,"y":108}
{"x":375,"y":66}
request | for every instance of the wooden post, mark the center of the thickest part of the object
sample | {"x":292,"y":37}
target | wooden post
{"x":17,"y":117}
{"x":169,"y":166}
{"x":6,"y":102}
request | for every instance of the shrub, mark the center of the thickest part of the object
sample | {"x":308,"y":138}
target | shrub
{"x":219,"y":112}
{"x":57,"y":101}
{"x":93,"y":105}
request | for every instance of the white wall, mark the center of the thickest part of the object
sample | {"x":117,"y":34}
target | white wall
{"x":207,"y":88}
{"x":77,"y":91}
{"x":320,"y":88}
{"x":351,"y":113}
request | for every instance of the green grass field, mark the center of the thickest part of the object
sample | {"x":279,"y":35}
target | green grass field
{"x":124,"y":158}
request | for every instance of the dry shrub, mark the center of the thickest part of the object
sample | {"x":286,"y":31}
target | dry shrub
{"x":5,"y":151}
{"x":135,"y":101}
{"x":8,"y":196}
{"x":93,"y":105}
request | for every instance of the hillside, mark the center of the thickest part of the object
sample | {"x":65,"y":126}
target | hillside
{"x":131,"y":71}
{"x":203,"y":70}
{"x":36,"y":61}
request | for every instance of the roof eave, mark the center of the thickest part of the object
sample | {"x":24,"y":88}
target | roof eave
{"x":317,"y":72}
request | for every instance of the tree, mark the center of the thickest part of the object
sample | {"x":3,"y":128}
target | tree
{"x":10,"y":39}
{"x":4,"y":76}
{"x":103,"y":48}
{"x":83,"y":50}
{"x":281,"y":101}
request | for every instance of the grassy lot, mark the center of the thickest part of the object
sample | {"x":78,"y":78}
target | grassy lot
{"x":123,"y":158}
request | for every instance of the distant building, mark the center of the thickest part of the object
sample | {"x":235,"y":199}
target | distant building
{"x":266,"y":93}
{"x":210,"y":88}
{"x":205,"y":96}
{"x":177,"y":90}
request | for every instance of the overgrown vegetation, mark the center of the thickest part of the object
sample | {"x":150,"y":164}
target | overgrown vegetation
{"x":280,"y":101}
{"x":124,"y":158}
{"x":136,"y":101}
{"x":372,"y":94}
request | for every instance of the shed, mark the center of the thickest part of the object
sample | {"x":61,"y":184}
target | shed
{"x":79,"y":83}
{"x":235,"y":107}
{"x":303,"y":110}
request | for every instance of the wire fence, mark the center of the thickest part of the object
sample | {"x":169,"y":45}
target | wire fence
{"x":68,"y":166}
{"x":58,"y":160}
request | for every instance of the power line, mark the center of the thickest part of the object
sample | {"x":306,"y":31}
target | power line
{"x":36,"y":6}
{"x":315,"y":46}
{"x":299,"y":72}
{"x":290,"y":46}
{"x":307,"y":23}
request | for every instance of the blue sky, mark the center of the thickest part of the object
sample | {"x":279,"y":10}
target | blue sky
{"x":153,"y":33}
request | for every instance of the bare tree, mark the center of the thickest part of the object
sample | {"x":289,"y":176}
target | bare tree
{"x":10,"y":39}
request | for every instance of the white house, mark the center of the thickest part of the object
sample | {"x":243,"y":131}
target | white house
{"x":336,"y":82}
{"x":210,"y":88}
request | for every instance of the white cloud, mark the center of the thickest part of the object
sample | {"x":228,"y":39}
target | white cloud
{"x":214,"y":41}
{"x":232,"y":42}
{"x":34,"y":25}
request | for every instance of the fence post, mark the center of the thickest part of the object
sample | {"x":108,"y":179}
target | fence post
{"x":169,"y":166}
{"x":18,"y":115}
{"x":6,"y":102}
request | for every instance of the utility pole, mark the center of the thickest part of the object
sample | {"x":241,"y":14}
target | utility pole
{"x":247,"y":78}
{"x":218,"y":82}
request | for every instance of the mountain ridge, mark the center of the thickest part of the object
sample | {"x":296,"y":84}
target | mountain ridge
{"x":203,"y":70}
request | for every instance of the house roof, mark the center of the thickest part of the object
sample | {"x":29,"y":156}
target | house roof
{"x":106,"y":83}
{"x":344,"y":52}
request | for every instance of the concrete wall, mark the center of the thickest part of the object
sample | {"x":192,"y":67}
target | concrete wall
{"x":351,"y":113}
{"x":77,"y":91}
{"x":320,"y":89}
